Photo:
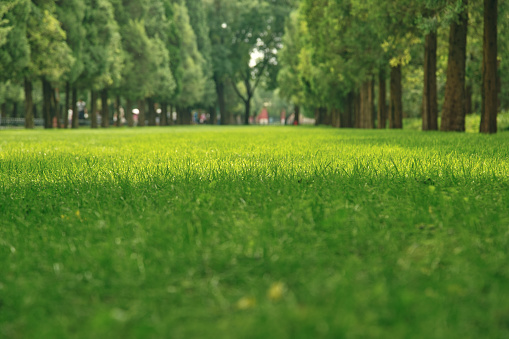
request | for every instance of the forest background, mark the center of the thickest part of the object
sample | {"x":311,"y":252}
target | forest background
{"x":345,"y":63}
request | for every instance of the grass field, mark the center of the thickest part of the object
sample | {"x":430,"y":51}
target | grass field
{"x":252,"y":232}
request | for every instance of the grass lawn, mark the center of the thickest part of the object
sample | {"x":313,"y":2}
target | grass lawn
{"x":253,"y":232}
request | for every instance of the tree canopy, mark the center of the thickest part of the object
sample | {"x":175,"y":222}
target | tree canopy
{"x":335,"y":59}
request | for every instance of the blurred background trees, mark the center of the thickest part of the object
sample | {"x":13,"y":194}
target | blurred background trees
{"x":344,"y":63}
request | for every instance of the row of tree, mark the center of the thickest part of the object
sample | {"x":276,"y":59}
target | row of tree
{"x":181,"y":54}
{"x":338,"y":52}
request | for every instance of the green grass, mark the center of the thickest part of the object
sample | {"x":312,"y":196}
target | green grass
{"x":249,"y":232}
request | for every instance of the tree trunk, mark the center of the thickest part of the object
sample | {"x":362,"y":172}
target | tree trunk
{"x":14,"y":109}
{"x":151,"y":112}
{"x":296,"y":115}
{"x":105,"y":111}
{"x":129,"y":112}
{"x":67,"y":104}
{"x":247,"y":110}
{"x":335,"y":121}
{"x":170,"y":117}
{"x":93,"y":109}
{"x":489,"y":91}
{"x":46,"y":103}
{"x":453,"y":112}
{"x":75,"y":115}
{"x":55,"y":99}
{"x":382,"y":93}
{"x":429,"y":96}
{"x":348,"y":112}
{"x":3,"y":112}
{"x":141,"y":114}
{"x":225,"y":117}
{"x":29,"y":104}
{"x":356,"y":110}
{"x":163,"y":121}
{"x":396,"y":104}
{"x":366,"y":105}
{"x":187,"y":116}
{"x":212,"y":116}
{"x":118,"y":111}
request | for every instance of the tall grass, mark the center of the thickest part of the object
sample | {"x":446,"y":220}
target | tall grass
{"x":253,"y":232}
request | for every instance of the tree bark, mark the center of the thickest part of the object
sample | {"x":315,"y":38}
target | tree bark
{"x":29,"y":104}
{"x":468,"y":99}
{"x":67,"y":104}
{"x":489,"y":91}
{"x":247,"y":110}
{"x":335,"y":121}
{"x":453,"y":112}
{"x":75,"y":115}
{"x":163,"y":121}
{"x":93,"y":109}
{"x":46,"y":98}
{"x":396,"y":105}
{"x":129,"y":112}
{"x":14,"y":109}
{"x":429,"y":96}
{"x":141,"y":114}
{"x":366,"y":105}
{"x":382,"y":93}
{"x":170,"y":117}
{"x":357,"y":110}
{"x":117,"y":109}
{"x":151,"y":112}
{"x":105,"y":111}
{"x":225,"y":117}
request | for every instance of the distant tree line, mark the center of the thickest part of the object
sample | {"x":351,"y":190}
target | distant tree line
{"x":176,"y":55}
{"x":439,"y":57}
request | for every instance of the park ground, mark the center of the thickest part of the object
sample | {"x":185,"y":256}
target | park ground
{"x":253,"y":232}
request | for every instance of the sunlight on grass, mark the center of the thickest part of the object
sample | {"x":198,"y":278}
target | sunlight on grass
{"x":259,"y":232}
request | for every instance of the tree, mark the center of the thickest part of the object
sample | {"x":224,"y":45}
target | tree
{"x":453,"y":112}
{"x":489,"y":107}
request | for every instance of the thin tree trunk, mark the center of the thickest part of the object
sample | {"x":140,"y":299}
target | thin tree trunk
{"x":429,"y":96}
{"x":247,"y":110}
{"x":151,"y":112}
{"x":213,"y":116}
{"x":117,"y":109}
{"x":55,"y":98}
{"x":382,"y":93}
{"x":296,"y":115}
{"x":225,"y":117}
{"x":75,"y":115}
{"x":366,"y":105}
{"x":163,"y":121}
{"x":105,"y":111}
{"x":67,"y":104}
{"x":14,"y":109}
{"x":3,"y":112}
{"x":170,"y":118}
{"x":46,"y":97}
{"x":141,"y":115}
{"x":357,"y":109}
{"x":396,"y":105}
{"x":489,"y":91}
{"x":453,"y":112}
{"x":29,"y":104}
{"x":93,"y":108}
{"x":128,"y":111}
